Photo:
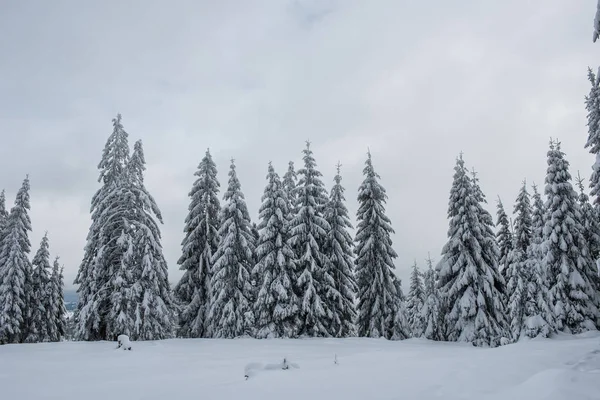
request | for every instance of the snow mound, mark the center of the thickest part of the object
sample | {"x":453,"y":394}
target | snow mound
{"x":580,"y":380}
{"x":252,"y":369}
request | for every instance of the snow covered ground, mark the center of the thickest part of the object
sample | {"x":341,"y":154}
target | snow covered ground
{"x":567,"y":367}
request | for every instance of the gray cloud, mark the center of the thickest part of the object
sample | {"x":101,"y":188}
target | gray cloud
{"x":416,"y":82}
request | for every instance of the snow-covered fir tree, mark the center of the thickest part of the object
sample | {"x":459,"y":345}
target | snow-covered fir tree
{"x":231,"y":312}
{"x":58,"y":326}
{"x":290,"y":182}
{"x":490,"y":249}
{"x":517,"y":275}
{"x":504,"y":236}
{"x":277,"y":306}
{"x":378,"y":295}
{"x":415,"y":302}
{"x":537,"y":311}
{"x":467,"y":280}
{"x":308,"y":235}
{"x":155,"y":315}
{"x":338,"y":248}
{"x":590,"y":221}
{"x":14,"y":268}
{"x":430,"y":313}
{"x":3,"y":214}
{"x":567,"y":261}
{"x":102,"y":254}
{"x":41,"y":305}
{"x":592,"y":105}
{"x":198,"y":246}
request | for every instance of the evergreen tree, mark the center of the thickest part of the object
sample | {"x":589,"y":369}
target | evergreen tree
{"x":41,"y":312}
{"x":517,"y":274}
{"x":199,"y":244}
{"x":59,"y":324}
{"x":416,"y":300}
{"x":504,"y":237}
{"x":308,"y":235}
{"x":14,"y":269}
{"x":102,"y":255}
{"x":290,"y":183}
{"x":277,"y":307}
{"x":467,"y":280}
{"x":590,"y":220}
{"x":155,"y":316}
{"x":378,"y":295}
{"x":231,"y":308}
{"x":430,"y":313}
{"x":567,"y":259}
{"x":3,"y":215}
{"x":592,"y":105}
{"x":537,"y":311}
{"x":338,"y":248}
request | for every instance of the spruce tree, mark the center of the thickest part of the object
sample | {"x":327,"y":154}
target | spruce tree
{"x":338,"y":248}
{"x":590,"y":220}
{"x":490,"y":249}
{"x":504,"y":237}
{"x":378,"y":295}
{"x":41,"y":312}
{"x":537,"y":311}
{"x":415,"y":302}
{"x":467,"y":280}
{"x":14,"y":269}
{"x":58,"y":325}
{"x":154,"y":301}
{"x":277,"y":306}
{"x":567,"y":259}
{"x":517,"y":274}
{"x":430,"y":313}
{"x":290,"y":183}
{"x":3,"y":215}
{"x":198,"y":246}
{"x":231,"y":314}
{"x":102,"y":255}
{"x":592,"y":105}
{"x":308,"y":235}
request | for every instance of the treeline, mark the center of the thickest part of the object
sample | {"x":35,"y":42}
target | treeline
{"x":298,"y":272}
{"x":32,"y":305}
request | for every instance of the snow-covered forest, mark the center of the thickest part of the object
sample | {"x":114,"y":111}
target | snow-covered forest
{"x":297,"y":271}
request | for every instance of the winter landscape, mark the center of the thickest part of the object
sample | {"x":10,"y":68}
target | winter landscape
{"x":286,"y":274}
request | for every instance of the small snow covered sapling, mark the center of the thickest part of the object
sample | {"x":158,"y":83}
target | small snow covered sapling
{"x":123,"y":342}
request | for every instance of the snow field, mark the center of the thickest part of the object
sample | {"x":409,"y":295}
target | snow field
{"x":567,"y":367}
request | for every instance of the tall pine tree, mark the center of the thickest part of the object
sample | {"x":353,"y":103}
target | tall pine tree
{"x":41,"y":313}
{"x":592,"y":105}
{"x":379,"y":298}
{"x":537,"y":311}
{"x":102,"y":255}
{"x":430,"y":313}
{"x":504,"y":237}
{"x":14,"y":269}
{"x":231,"y":308}
{"x":199,"y":244}
{"x":3,"y":215}
{"x":290,"y":182}
{"x":338,"y":248}
{"x":277,"y":306}
{"x":467,"y":280}
{"x":517,"y":275}
{"x":58,"y":326}
{"x":415,"y":302}
{"x":567,"y":259}
{"x":308,"y":235}
{"x":155,"y":316}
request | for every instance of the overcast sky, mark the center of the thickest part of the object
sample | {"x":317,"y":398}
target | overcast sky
{"x":415,"y":81}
